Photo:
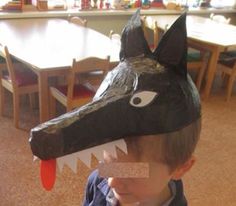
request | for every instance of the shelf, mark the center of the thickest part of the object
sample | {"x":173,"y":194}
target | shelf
{"x":32,"y":12}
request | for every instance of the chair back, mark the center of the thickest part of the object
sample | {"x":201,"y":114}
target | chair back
{"x":91,"y":64}
{"x":220,"y":18}
{"x":115,"y":37}
{"x":147,"y":23}
{"x":228,"y":69}
{"x":6,"y":55}
{"x":145,"y":27}
{"x":77,"y":20}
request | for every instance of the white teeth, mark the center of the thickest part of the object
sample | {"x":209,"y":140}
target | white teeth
{"x":70,"y":160}
{"x":122,"y":145}
{"x":85,"y":155}
{"x":98,"y":153}
{"x":111,"y":150}
{"x":73,"y":163}
{"x":60,"y":163}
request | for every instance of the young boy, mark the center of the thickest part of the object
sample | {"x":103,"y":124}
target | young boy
{"x":148,"y":99}
{"x":169,"y":157}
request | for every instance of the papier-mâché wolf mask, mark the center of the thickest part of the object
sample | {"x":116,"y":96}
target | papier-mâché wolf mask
{"x":147,"y":93}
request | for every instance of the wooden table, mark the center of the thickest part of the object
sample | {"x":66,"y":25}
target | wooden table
{"x":48,"y":46}
{"x":202,"y":33}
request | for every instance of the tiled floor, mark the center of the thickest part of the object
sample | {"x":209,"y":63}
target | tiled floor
{"x":212,"y":182}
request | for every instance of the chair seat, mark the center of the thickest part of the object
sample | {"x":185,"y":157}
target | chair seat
{"x":2,"y":60}
{"x":79,"y":90}
{"x":228,"y":62}
{"x":227,"y":58}
{"x":94,"y":78}
{"x":231,"y":53}
{"x":92,"y":74}
{"x":23,"y":78}
{"x":193,"y":56}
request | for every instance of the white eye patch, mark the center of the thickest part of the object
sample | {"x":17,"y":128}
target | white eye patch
{"x":143,"y":98}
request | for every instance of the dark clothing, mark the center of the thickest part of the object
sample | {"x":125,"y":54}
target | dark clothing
{"x":98,"y":193}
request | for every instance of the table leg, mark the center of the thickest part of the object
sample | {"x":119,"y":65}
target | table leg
{"x":211,"y":70}
{"x":43,"y":97}
{"x":155,"y":35}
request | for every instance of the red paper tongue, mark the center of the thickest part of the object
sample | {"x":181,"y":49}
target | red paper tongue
{"x":48,"y":173}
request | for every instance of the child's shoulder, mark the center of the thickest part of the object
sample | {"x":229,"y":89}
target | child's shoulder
{"x":178,"y":192}
{"x":94,"y":178}
{"x":96,"y":190}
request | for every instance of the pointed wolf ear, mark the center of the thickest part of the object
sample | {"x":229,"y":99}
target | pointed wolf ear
{"x":133,"y":42}
{"x":172,"y":49}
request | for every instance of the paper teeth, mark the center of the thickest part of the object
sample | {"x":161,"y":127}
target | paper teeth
{"x":98,"y":154}
{"x":122,"y":145}
{"x":111,"y":150}
{"x":60,"y":162}
{"x":85,"y":155}
{"x":70,"y":160}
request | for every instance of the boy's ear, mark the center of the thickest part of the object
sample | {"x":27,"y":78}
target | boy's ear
{"x":172,"y":49}
{"x":180,"y":171}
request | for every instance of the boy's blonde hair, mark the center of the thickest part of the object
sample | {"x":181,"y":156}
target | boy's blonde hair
{"x":173,"y":149}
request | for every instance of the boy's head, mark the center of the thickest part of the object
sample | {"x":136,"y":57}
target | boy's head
{"x":168,"y":156}
{"x":172,"y":149}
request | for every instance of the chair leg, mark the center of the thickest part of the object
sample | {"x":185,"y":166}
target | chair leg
{"x":199,"y":78}
{"x":230,"y":87}
{"x":16,"y":105}
{"x":155,"y":38}
{"x":225,"y":79}
{"x":2,"y":99}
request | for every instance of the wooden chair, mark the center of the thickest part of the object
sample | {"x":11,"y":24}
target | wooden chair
{"x":222,"y":19}
{"x":77,"y":20}
{"x":228,"y":68}
{"x":95,"y":77}
{"x":18,"y":80}
{"x":146,"y":24}
{"x":197,"y":61}
{"x":116,"y":39}
{"x":227,"y":59}
{"x":75,"y":94}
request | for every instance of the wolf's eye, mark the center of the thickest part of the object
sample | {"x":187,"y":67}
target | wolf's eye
{"x":142,"y":99}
